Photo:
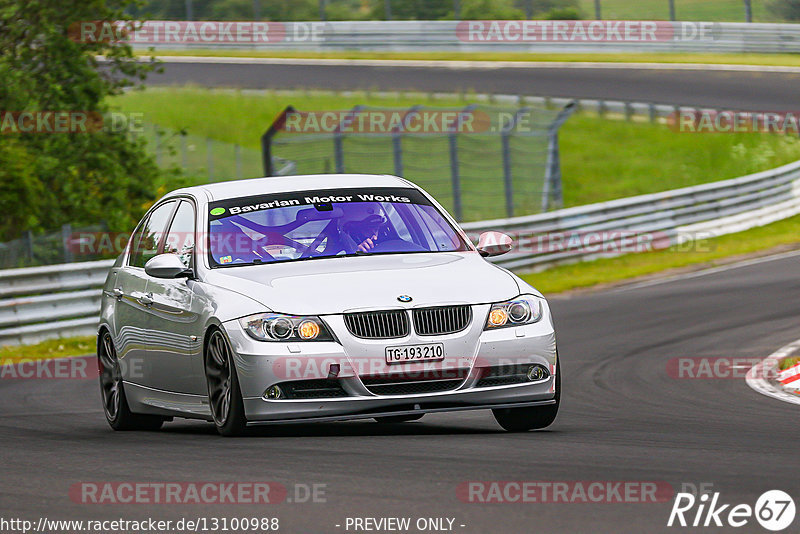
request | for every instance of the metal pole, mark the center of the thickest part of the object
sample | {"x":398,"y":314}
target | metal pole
{"x":748,"y":11}
{"x":457,"y":9}
{"x":529,"y":9}
{"x":552,"y":177}
{"x":388,"y":6}
{"x":189,"y":10}
{"x":455,"y":176}
{"x":322,"y":15}
{"x":508,"y":177}
{"x":257,"y":9}
{"x":671,"y":9}
{"x":27,"y":240}
{"x":597,"y":13}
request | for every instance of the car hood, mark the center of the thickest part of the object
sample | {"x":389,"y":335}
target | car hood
{"x":337,"y":285}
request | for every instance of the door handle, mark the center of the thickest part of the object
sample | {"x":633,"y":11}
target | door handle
{"x":146,"y":300}
{"x":117,"y":293}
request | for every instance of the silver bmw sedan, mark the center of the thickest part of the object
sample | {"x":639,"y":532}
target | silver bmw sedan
{"x":318,"y":298}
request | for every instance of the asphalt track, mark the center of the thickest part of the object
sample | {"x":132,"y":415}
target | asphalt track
{"x":731,"y":89}
{"x":623,"y":418}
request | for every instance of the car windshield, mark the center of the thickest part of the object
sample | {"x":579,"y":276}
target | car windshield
{"x":327,"y":223}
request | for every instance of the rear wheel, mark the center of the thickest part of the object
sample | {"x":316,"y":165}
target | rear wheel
{"x":533,"y":417}
{"x":224,"y":395}
{"x":115,"y":404}
{"x":391,"y":419}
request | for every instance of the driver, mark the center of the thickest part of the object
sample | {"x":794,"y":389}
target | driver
{"x":362,"y":223}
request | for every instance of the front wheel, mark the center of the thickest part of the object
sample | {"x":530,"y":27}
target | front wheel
{"x":533,"y":417}
{"x":224,"y":395}
{"x":115,"y":404}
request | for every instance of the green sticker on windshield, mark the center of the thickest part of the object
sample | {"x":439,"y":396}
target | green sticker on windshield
{"x":217,"y":211}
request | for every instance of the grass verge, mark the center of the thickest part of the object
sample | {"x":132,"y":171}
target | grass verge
{"x":764,"y":60}
{"x":52,"y":348}
{"x":704,"y":253}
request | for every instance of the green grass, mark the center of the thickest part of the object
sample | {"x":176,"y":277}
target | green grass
{"x":788,"y":362}
{"x":53,"y":348}
{"x":705,"y":10}
{"x":703,"y":253}
{"x":602,"y":159}
{"x":789,"y":60}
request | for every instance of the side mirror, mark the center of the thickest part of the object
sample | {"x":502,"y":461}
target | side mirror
{"x":494,"y":244}
{"x":166,"y":266}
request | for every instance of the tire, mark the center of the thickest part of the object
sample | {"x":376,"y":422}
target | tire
{"x":533,"y":417}
{"x":224,"y":394}
{"x":112,"y":391}
{"x":392,"y":419}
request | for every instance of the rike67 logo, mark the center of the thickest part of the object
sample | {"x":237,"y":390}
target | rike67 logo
{"x":774,"y":510}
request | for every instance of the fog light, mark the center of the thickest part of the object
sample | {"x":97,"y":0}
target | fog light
{"x":537,"y":372}
{"x":498,"y":317}
{"x":274,"y":393}
{"x":308,"y":330}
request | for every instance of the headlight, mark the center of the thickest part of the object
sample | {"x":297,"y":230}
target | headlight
{"x":278,"y":327}
{"x":525,"y":309}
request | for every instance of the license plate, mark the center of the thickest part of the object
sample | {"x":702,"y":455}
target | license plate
{"x":431,"y":352}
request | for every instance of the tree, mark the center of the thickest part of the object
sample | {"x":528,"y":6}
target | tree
{"x":78,"y":178}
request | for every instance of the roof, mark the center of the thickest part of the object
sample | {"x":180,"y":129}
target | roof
{"x":283,"y":184}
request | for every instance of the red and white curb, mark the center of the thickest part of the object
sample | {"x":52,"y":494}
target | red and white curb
{"x":786,"y":384}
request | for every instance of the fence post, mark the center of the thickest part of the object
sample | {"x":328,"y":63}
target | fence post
{"x":597,"y":13}
{"x":552,"y":171}
{"x":748,"y":11}
{"x":652,"y":109}
{"x":455,"y":176}
{"x":66,"y":234}
{"x":210,"y":154}
{"x":508,"y":176}
{"x":628,"y":111}
{"x":27,"y":244}
{"x":672,"y":10}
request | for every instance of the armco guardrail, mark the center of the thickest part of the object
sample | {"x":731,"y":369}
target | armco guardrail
{"x":455,"y":36}
{"x":663,"y":219}
{"x":38,"y":303}
{"x":62,"y":300}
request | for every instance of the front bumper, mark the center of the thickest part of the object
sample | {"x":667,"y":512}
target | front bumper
{"x":262,"y":364}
